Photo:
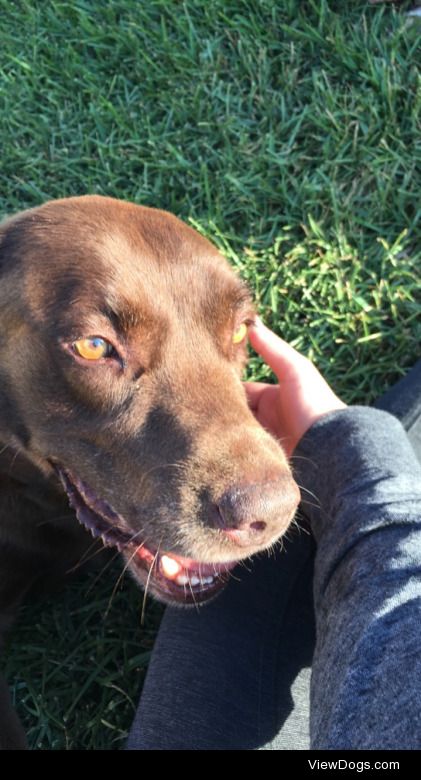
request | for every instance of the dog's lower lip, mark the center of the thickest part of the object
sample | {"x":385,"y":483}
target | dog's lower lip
{"x":173,"y":577}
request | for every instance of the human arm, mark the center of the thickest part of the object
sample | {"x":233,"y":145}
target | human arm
{"x":361,"y":488}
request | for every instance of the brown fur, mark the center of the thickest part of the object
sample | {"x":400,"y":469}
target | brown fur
{"x":161,"y":440}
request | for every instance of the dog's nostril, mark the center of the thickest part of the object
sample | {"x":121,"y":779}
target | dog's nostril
{"x":259,"y":525}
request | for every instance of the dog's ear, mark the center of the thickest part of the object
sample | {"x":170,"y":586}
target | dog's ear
{"x":6,"y":233}
{"x":11,"y":249}
{"x":3,"y":230}
{"x":12,"y":242}
{"x":11,"y":236}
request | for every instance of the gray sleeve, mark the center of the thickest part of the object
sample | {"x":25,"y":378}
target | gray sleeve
{"x":361,"y":488}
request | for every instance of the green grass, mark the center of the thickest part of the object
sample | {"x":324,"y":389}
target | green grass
{"x":286,"y":132}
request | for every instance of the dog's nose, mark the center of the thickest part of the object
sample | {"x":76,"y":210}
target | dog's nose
{"x":255,"y":514}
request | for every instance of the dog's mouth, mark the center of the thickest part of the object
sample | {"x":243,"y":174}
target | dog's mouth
{"x":169,"y":577}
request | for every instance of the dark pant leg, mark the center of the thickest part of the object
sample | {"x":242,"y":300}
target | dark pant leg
{"x":236,"y":673}
{"x":404,"y":401}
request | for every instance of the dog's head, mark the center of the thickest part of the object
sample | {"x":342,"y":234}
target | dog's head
{"x":122,"y":341}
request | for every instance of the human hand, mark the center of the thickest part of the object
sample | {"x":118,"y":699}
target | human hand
{"x":289,"y":409}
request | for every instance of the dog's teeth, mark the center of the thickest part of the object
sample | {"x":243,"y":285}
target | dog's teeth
{"x":169,"y":566}
{"x":181,"y":579}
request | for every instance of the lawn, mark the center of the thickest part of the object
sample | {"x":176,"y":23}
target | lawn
{"x":288,"y":134}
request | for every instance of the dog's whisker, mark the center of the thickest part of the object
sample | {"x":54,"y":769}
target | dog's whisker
{"x":310,"y":503}
{"x":103,"y":569}
{"x":86,"y":556}
{"x":55,"y":519}
{"x":303,"y":457}
{"x":301,"y":529}
{"x":309,"y":492}
{"x":3,"y":449}
{"x":13,"y":461}
{"x":121,"y":575}
{"x":147,"y":584}
{"x":136,"y":534}
{"x":193,"y":596}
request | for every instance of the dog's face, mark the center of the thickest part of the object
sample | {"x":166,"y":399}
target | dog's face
{"x":123,"y":338}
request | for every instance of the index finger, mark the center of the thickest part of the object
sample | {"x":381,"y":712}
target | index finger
{"x":276,"y":352}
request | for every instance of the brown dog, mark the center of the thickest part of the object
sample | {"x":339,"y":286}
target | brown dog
{"x":122,"y":341}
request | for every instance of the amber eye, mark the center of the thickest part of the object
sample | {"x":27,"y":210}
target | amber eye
{"x":93,"y":348}
{"x":240,"y":333}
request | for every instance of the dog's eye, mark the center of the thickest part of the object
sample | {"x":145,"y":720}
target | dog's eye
{"x":240,"y":334}
{"x":93,"y":348}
